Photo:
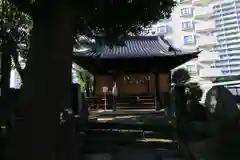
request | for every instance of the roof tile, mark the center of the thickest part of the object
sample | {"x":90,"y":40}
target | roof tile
{"x":135,"y":46}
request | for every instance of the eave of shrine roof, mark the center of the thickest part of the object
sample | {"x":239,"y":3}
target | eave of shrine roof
{"x":135,"y":46}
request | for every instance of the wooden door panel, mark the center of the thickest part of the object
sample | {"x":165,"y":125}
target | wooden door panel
{"x":133,"y":85}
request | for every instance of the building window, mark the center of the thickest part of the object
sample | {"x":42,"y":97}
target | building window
{"x":191,"y":68}
{"x":189,"y":39}
{"x":146,"y":31}
{"x":184,"y":1}
{"x":162,"y":29}
{"x":187,"y":25}
{"x":186,"y":12}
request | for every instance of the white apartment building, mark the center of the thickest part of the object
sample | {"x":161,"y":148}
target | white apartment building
{"x":200,"y":68}
{"x":208,"y":25}
{"x":227,"y":23}
{"x":190,"y":25}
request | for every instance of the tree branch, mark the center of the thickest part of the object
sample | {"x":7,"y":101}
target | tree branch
{"x":23,"y":5}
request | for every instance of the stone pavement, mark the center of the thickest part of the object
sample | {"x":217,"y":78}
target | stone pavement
{"x":128,"y":154}
{"x":134,"y":154}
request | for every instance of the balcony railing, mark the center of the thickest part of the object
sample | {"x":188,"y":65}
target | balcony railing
{"x":185,"y":1}
{"x":203,"y":12}
{"x":210,"y":72}
{"x":200,"y":2}
{"x":204,"y":26}
{"x":206,"y":42}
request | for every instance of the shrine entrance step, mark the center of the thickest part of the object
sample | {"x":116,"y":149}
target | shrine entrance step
{"x":121,"y":141}
{"x":135,"y":102}
{"x":99,"y":103}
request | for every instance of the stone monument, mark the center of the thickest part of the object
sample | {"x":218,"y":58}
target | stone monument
{"x":221,"y":106}
{"x":223,"y":116}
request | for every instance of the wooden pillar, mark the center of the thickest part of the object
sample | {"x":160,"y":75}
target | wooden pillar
{"x":157,"y":92}
{"x":94,"y":85}
{"x":148,"y":84}
{"x":75,"y":102}
{"x":114,"y":96}
{"x":87,"y":83}
{"x":170,"y":80}
{"x":170,"y":109}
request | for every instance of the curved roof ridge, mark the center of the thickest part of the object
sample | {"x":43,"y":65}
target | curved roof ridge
{"x":137,"y":46}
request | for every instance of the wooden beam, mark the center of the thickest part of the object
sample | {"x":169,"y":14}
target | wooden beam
{"x":94,"y":85}
{"x":142,"y":65}
{"x":157,"y":93}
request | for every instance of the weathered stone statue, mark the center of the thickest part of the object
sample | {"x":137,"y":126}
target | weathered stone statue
{"x":196,"y":111}
{"x":179,"y":101}
{"x":221,"y":106}
{"x":222,"y":127}
{"x":189,"y":113}
{"x":224,"y":115}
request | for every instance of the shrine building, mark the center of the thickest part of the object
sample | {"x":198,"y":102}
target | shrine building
{"x":140,"y":67}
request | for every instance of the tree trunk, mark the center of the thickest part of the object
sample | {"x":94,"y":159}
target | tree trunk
{"x":47,"y":85}
{"x":87,"y":83}
{"x":5,"y":85}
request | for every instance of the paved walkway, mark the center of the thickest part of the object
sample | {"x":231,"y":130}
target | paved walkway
{"x":128,"y":155}
{"x":131,"y":117}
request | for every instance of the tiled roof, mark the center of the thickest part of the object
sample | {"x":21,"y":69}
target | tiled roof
{"x":135,"y":46}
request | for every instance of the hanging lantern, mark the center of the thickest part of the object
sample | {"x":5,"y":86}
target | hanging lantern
{"x":126,"y":78}
{"x":147,"y":78}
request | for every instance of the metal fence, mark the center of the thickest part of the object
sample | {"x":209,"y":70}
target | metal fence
{"x":234,"y":90}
